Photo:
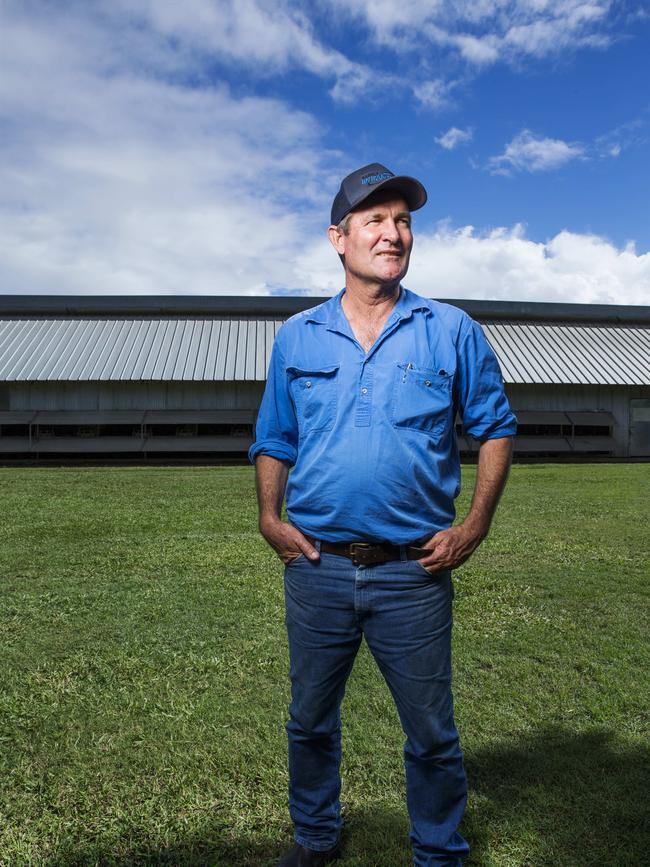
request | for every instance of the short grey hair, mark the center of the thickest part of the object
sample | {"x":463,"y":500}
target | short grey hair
{"x":344,"y":229}
{"x":344,"y":226}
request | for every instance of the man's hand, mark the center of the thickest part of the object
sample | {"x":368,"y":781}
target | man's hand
{"x":449,"y":548}
{"x":286,"y":540}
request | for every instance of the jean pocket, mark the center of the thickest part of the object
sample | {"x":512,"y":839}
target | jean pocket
{"x":423,"y":399}
{"x":440,"y":575}
{"x":423,"y":569}
{"x":300,"y":558}
{"x":315,"y":395}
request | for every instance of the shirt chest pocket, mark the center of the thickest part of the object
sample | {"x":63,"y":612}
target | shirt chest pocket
{"x":315,"y":396}
{"x":423,"y":399}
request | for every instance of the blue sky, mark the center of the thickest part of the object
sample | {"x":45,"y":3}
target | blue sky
{"x":168,"y":148}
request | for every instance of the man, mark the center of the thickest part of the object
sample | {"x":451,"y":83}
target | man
{"x":360,"y":402}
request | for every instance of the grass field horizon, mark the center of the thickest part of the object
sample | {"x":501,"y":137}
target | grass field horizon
{"x":143,"y":678}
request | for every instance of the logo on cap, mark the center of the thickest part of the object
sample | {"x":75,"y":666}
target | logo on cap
{"x":376,"y":178}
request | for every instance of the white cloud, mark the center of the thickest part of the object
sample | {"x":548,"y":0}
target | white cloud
{"x":115,"y":180}
{"x":526,"y":152}
{"x":504,"y":264}
{"x":454,"y":136}
{"x":433,"y":94}
{"x":477,"y":50}
{"x":627,"y":135}
{"x":484,"y":31}
{"x":570,"y":25}
{"x":262,"y":36}
{"x":252,"y":32}
{"x":354,"y":81}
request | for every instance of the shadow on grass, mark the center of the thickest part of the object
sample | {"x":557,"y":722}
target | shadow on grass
{"x":563,"y":799}
{"x":372,"y":838}
{"x":192,"y":852}
{"x":554,"y":798}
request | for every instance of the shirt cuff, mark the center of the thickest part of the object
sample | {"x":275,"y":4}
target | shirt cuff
{"x":494,"y":433}
{"x":275,"y":449}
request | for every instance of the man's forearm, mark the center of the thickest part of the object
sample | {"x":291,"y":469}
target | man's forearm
{"x":494,"y":459}
{"x":271,"y":475}
{"x":450,"y":548}
{"x":271,"y":479}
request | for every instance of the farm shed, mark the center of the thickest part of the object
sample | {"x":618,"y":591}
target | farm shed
{"x":169,"y":376}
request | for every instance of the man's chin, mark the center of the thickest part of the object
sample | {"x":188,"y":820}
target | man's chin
{"x":392,"y":275}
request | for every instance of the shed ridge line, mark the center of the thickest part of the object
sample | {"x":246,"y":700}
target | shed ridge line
{"x":287,"y":305}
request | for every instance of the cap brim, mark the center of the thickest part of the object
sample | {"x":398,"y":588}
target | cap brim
{"x":412,"y":190}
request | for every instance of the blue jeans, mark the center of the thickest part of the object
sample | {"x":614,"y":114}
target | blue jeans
{"x":405,"y":615}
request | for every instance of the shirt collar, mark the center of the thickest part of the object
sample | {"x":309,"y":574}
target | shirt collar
{"x":331,"y":314}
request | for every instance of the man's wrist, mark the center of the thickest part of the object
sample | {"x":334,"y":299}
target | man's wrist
{"x":477,"y":525}
{"x":268,"y":521}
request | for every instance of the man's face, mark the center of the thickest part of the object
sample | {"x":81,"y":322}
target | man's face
{"x":378,"y":243}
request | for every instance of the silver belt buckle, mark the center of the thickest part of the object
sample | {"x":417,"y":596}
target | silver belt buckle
{"x":364,"y":554}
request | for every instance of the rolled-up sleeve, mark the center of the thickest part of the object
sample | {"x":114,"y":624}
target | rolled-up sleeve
{"x":276,"y":432}
{"x":483,"y":404}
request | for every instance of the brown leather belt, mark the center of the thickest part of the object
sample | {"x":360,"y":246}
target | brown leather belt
{"x":369,"y":553}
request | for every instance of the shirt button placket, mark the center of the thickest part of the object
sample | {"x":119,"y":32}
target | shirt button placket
{"x":364,"y":396}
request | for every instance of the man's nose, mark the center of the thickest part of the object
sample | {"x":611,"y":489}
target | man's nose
{"x":391,"y":232}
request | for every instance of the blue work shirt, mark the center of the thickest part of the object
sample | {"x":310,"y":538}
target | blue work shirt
{"x":371,"y":435}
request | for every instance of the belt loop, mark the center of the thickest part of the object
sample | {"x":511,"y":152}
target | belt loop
{"x":402,"y":553}
{"x":317,"y":544}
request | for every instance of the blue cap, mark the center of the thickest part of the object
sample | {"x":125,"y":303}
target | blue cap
{"x":367,"y":180}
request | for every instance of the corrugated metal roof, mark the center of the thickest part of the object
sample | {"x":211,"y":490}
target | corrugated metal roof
{"x":235,"y":349}
{"x":136,"y":348}
{"x":576,"y":354}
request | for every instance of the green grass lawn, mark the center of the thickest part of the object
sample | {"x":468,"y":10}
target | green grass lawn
{"x":143,"y":685}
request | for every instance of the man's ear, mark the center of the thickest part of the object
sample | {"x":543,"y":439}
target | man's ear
{"x":337,"y":239}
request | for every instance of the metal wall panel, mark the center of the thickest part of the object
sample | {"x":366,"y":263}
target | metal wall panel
{"x":113,"y":396}
{"x":640,"y":428}
{"x":582,"y":398}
